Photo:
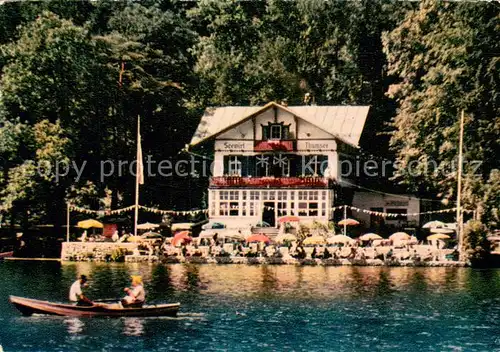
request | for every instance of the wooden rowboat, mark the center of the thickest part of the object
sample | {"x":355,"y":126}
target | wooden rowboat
{"x":28,"y":306}
{"x":6,"y":254}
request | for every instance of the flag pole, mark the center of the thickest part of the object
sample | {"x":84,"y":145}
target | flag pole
{"x":67,"y":221}
{"x":138,"y":174}
{"x":345,"y":222}
{"x":459,"y":190}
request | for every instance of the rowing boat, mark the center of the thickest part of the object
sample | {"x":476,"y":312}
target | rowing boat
{"x":6,"y":254}
{"x":28,"y":306}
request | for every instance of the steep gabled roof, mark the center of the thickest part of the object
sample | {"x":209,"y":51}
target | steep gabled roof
{"x":344,"y":122}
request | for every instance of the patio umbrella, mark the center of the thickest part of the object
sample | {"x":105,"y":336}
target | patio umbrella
{"x":213,"y":225}
{"x":438,"y":236}
{"x":285,"y":237}
{"x":314,"y":240}
{"x":339,"y":239}
{"x":288,"y":218}
{"x":89,"y":223}
{"x":370,"y":237}
{"x":147,"y":226}
{"x":434,"y":224}
{"x":206,"y":234}
{"x":181,"y":237}
{"x":258,"y":238}
{"x":442,"y":230}
{"x":134,"y":239}
{"x":348,"y":222}
{"x":399,"y":236}
{"x":380,"y":242}
{"x":150,"y":234}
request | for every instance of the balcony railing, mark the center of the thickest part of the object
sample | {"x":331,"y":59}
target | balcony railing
{"x":274,"y":145}
{"x":269,"y":182}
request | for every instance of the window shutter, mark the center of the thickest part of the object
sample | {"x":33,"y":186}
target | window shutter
{"x":265,"y":132}
{"x":226,"y":164}
{"x":244,"y":165}
{"x":286,"y":132}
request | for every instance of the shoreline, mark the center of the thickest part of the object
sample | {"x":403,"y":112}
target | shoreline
{"x":286,"y":261}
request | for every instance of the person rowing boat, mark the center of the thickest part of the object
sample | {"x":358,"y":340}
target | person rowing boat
{"x":75,"y":292}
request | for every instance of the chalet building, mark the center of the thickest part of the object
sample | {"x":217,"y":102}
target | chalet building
{"x":276,"y":160}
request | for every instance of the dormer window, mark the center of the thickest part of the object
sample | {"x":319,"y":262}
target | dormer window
{"x":275,"y":131}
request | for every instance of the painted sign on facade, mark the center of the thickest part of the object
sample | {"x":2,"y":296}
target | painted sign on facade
{"x":321,"y":145}
{"x":234,"y":146}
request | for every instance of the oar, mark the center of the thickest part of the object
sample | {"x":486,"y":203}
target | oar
{"x":103,"y":300}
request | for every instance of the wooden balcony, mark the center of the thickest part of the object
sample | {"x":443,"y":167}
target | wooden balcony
{"x":274,"y":145}
{"x":268,"y":182}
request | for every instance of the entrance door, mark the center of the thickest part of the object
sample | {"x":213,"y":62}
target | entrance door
{"x":268,"y":214}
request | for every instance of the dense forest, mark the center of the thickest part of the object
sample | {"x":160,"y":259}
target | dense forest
{"x":75,"y":75}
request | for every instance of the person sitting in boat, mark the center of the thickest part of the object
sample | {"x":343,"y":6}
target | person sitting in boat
{"x":135,"y":295}
{"x":76,"y":294}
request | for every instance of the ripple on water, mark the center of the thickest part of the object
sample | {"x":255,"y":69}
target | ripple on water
{"x":270,"y":308}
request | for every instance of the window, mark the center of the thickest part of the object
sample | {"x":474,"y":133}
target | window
{"x":323,"y":209}
{"x":244,"y":195}
{"x":254,"y":195}
{"x":292,"y":208}
{"x":224,"y":195}
{"x":282,"y":195}
{"x":224,"y":209}
{"x":313,"y":195}
{"x":313,"y":209}
{"x":281,"y":166}
{"x":302,"y":209}
{"x":212,"y":208}
{"x":234,"y":195}
{"x":272,"y":194}
{"x":244,"y":209}
{"x":323,"y":195}
{"x":252,"y":209}
{"x":275,"y":132}
{"x":233,"y":211}
{"x":262,"y":165}
{"x":314,"y":165}
{"x":234,"y":166}
{"x":302,"y":195}
{"x":281,"y":208}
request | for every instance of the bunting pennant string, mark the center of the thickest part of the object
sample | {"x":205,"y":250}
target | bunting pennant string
{"x":205,"y":211}
{"x":383,"y":214}
{"x":132,"y":207}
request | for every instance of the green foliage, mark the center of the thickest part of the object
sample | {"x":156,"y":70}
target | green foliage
{"x":118,"y":255}
{"x":302,"y":232}
{"x":476,"y":243}
{"x":319,"y":228}
{"x":441,"y":55}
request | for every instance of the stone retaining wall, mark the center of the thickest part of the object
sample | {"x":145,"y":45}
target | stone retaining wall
{"x":102,"y":251}
{"x":93,"y":251}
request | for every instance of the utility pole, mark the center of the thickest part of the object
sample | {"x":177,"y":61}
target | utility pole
{"x":459,"y":215}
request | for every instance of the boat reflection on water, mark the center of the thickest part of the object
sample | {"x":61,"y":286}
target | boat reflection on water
{"x":75,"y":325}
{"x":133,"y":326}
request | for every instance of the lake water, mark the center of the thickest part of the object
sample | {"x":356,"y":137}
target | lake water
{"x":262,"y":308}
